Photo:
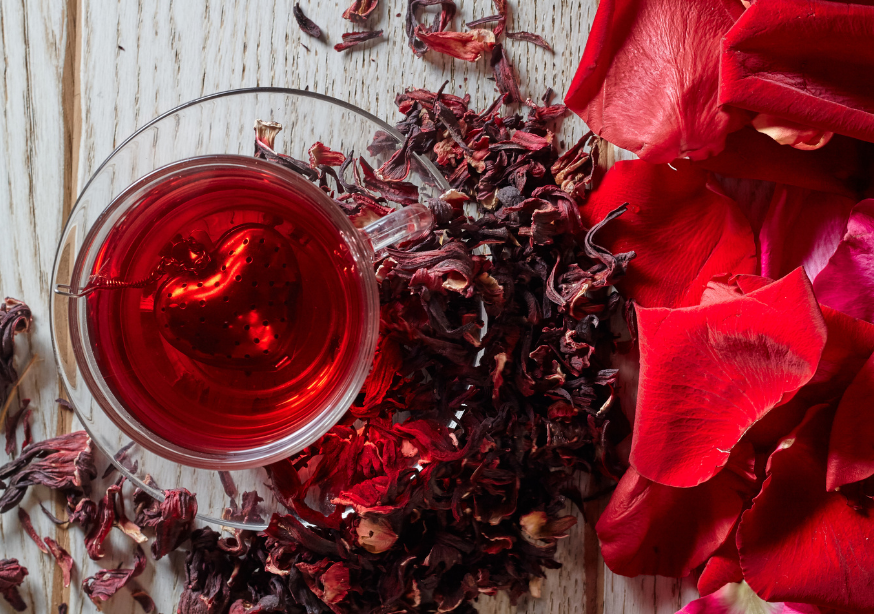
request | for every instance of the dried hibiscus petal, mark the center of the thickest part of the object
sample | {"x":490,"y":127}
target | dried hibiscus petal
{"x":11,"y":577}
{"x":504,"y":75}
{"x":351,"y":39}
{"x":63,"y":559}
{"x":360,"y":10}
{"x":24,"y":519}
{"x":305,"y":23}
{"x":535,"y":39}
{"x":467,"y":46}
{"x":107,"y":582}
{"x":320,"y":154}
{"x":178,"y":510}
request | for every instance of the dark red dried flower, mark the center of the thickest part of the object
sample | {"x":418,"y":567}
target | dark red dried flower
{"x":178,"y":510}
{"x":64,"y":462}
{"x":360,"y":10}
{"x":107,"y":582}
{"x":305,"y":23}
{"x":15,"y":318}
{"x":351,"y":39}
{"x":11,"y":576}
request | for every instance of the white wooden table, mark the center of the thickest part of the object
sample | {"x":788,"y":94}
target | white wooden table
{"x":78,"y":76}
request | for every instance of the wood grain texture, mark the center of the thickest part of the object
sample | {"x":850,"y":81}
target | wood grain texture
{"x":80,"y":76}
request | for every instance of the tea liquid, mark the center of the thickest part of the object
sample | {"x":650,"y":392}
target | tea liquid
{"x":240,"y":345}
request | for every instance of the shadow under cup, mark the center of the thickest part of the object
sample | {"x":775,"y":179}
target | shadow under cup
{"x":241,"y":357}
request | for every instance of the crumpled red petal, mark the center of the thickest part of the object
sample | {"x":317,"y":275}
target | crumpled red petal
{"x":847,"y":281}
{"x":747,"y":356}
{"x":851,"y":447}
{"x":737,"y":598}
{"x":801,"y":228}
{"x":799,"y":542}
{"x":808,"y":61}
{"x":649,"y":76}
{"x":683,"y":230}
{"x":648,"y":528}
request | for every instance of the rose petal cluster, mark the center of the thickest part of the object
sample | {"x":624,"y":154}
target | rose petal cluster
{"x":668,"y":84}
{"x":751,"y":296}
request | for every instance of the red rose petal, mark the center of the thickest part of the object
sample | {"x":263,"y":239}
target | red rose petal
{"x":682,"y":229}
{"x":649,"y":528}
{"x":847,"y":281}
{"x":851,"y":447}
{"x":799,"y":542}
{"x":649,"y":76}
{"x":722,"y":568}
{"x":802,"y":228}
{"x":807,"y":61}
{"x":708,"y":373}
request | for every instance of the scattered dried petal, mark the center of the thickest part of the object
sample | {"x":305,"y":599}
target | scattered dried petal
{"x":467,"y":46}
{"x":360,"y":10}
{"x":351,"y":39}
{"x":63,"y":558}
{"x":306,"y":24}
{"x":107,"y":582}
{"x":535,"y":39}
{"x":24,"y":519}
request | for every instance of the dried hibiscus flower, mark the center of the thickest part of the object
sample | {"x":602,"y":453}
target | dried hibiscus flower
{"x":306,"y":24}
{"x":15,"y":318}
{"x":351,"y":39}
{"x":177,"y":510}
{"x":107,"y":582}
{"x":11,"y":576}
{"x":65,"y":462}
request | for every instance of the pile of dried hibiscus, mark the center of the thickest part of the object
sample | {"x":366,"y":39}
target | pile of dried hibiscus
{"x":491,"y":388}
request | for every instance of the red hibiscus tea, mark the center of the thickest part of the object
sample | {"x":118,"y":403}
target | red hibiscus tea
{"x":229,"y":308}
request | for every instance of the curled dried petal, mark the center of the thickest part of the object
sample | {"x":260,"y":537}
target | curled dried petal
{"x":305,"y":23}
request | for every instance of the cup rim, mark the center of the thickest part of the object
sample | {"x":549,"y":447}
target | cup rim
{"x":311,"y":429}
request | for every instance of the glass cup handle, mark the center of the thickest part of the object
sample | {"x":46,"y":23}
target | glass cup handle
{"x":399,"y":226}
